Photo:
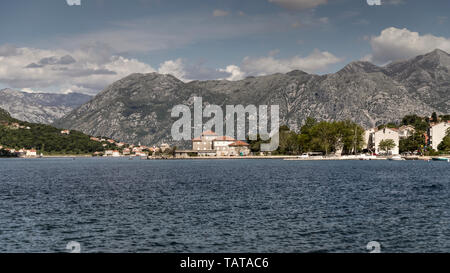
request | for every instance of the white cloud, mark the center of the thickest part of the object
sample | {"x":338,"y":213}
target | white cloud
{"x":190,"y":72}
{"x":299,"y":4}
{"x":235,"y":73}
{"x":394,"y":44}
{"x":87,"y":71}
{"x":315,"y":62}
{"x":91,"y":69}
{"x":175,"y":68}
{"x":220,"y":13}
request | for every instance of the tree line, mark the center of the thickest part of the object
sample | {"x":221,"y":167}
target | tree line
{"x":323,"y":137}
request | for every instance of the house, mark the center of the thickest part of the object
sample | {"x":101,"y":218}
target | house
{"x":65,"y":132}
{"x":239,"y":148}
{"x":436,"y":134}
{"x":384,"y":134}
{"x":204,"y":142}
{"x":108,"y":153}
{"x":126,"y":151}
{"x":221,"y":145}
{"x":406,"y":131}
{"x":95,"y":139}
{"x":115,"y":153}
{"x":31,"y":153}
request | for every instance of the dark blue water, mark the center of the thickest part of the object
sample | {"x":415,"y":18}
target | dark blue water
{"x":119,"y":205}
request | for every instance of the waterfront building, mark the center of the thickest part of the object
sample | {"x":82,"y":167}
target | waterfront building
{"x":239,"y":148}
{"x":210,"y":144}
{"x":204,"y":142}
{"x":222,"y":145}
{"x":31,"y":153}
{"x":436,"y":134}
{"x":384,"y":134}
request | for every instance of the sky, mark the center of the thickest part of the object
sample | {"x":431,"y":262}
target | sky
{"x":64,"y":46}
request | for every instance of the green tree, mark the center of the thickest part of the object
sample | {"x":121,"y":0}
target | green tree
{"x":387,"y":145}
{"x":419,"y":123}
{"x":412,"y":143}
{"x":445,"y":144}
{"x":325,"y":136}
{"x":434,"y":117}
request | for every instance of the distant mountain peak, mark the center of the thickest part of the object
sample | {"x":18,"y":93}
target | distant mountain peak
{"x":360,"y":67}
{"x":39,"y":107}
{"x":439,"y":52}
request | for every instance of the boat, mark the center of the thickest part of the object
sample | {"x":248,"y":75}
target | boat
{"x":396,"y":158}
{"x":441,"y":159}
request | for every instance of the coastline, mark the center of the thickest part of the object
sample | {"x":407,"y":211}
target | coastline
{"x":279,"y":157}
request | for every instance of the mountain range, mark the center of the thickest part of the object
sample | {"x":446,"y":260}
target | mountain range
{"x":40,"y":107}
{"x":137,"y":108}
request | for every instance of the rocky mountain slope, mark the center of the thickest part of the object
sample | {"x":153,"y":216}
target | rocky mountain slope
{"x":40,"y":107}
{"x":137,"y":108}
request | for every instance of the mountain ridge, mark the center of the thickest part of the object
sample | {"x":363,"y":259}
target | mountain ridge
{"x":137,"y":108}
{"x":40,"y":107}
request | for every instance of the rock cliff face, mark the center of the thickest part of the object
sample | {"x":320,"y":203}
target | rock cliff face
{"x":40,"y":107}
{"x":137,"y":108}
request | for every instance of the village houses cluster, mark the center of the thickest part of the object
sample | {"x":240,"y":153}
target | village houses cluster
{"x":129,"y":149}
{"x":21,"y":152}
{"x":374,"y":136}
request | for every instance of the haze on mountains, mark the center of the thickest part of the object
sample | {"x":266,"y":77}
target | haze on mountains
{"x":137,"y":108}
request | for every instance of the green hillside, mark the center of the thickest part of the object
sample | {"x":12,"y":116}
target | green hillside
{"x":44,"y":138}
{"x":4,"y":116}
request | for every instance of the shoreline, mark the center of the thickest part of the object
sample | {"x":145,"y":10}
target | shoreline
{"x":286,"y":158}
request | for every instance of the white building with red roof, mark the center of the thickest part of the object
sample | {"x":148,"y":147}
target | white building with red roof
{"x":239,"y":148}
{"x":221,"y":145}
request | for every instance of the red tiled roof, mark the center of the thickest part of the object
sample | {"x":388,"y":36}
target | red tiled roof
{"x":224,"y":138}
{"x":239,"y":143}
{"x":197,"y":139}
{"x":209,"y":133}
